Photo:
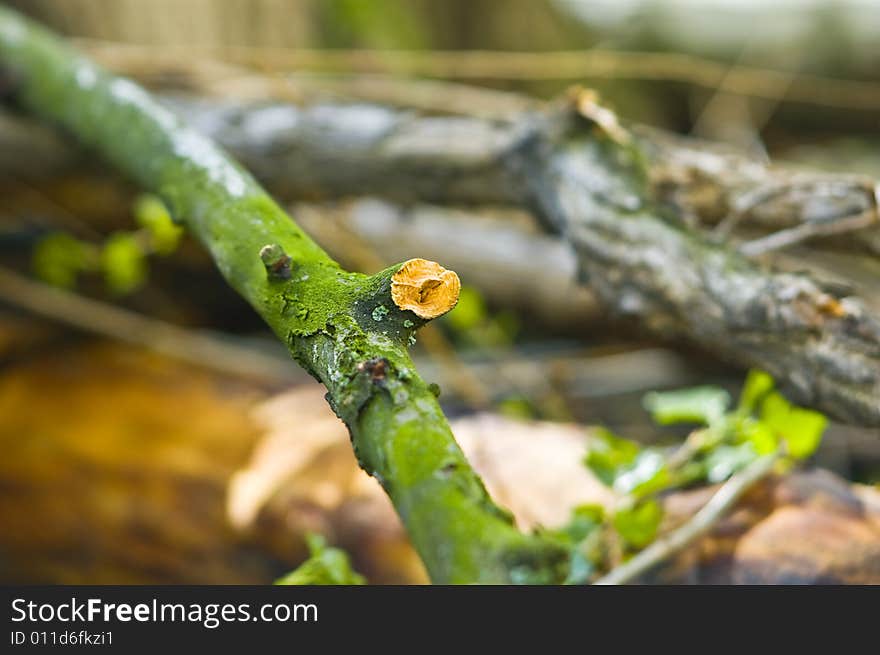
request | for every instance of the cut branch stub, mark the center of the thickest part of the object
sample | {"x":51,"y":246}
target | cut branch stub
{"x":425,"y":288}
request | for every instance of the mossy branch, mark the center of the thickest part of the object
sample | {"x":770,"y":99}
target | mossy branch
{"x":349,"y":330}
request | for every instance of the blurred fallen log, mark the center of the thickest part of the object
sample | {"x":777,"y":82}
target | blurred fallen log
{"x":111,"y":487}
{"x":585,"y":377}
{"x":622,"y":209}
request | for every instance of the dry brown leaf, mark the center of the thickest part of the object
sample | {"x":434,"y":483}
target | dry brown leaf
{"x":532,"y":468}
{"x":809,"y":527}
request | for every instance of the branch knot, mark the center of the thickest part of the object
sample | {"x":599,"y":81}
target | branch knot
{"x":276,"y":261}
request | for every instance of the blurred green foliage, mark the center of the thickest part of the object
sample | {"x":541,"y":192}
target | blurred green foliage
{"x":517,"y":407}
{"x":151,"y":214}
{"x":583,"y":536}
{"x":724,"y":440}
{"x":637,"y":522}
{"x":60,"y":258}
{"x":698,"y":405}
{"x":325,"y":566}
{"x":123,"y":263}
{"x":355,"y":23}
{"x":473,"y":325}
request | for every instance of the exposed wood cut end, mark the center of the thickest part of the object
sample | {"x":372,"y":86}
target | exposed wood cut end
{"x":425,"y":288}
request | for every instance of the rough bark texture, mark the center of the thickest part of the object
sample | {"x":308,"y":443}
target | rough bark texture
{"x":708,"y":184}
{"x":341,"y":327}
{"x":642,"y":260}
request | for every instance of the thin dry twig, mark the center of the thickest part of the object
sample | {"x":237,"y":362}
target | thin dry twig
{"x":485,"y":65}
{"x":805,"y":231}
{"x":668,"y":545}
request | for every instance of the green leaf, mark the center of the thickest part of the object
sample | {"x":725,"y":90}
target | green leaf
{"x":151,"y":213}
{"x":59,"y":258}
{"x":469,"y":312}
{"x":586,"y":557}
{"x":583,"y":537}
{"x":647,"y":473}
{"x":801,"y":428}
{"x":705,"y":405}
{"x":638,"y":524}
{"x":626,"y":467}
{"x":724,"y":461}
{"x":584,"y":520}
{"x":517,"y":408}
{"x":757,"y":385}
{"x":608,"y":455}
{"x":760,"y":435}
{"x":124,"y":264}
{"x":325,"y":566}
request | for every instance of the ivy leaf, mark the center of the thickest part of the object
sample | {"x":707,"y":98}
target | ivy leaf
{"x":151,"y":213}
{"x":59,"y":258}
{"x":724,"y":461}
{"x":760,"y":435}
{"x":647,"y":473}
{"x":705,"y":405}
{"x":583,"y":535}
{"x":624,"y":466}
{"x":801,"y":428}
{"x":757,"y":385}
{"x":325,"y":566}
{"x":124,"y":263}
{"x":584,"y":520}
{"x":580,"y":568}
{"x":608,"y":455}
{"x":637,"y":524}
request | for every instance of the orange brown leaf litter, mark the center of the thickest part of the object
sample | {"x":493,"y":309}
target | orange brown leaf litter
{"x":425,"y":288}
